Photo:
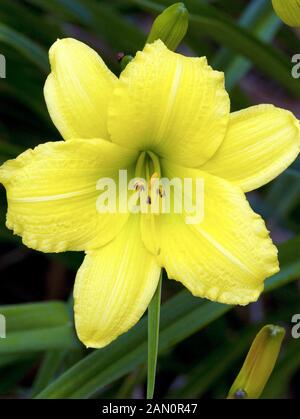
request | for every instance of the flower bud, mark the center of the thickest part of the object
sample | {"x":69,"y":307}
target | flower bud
{"x":288,"y":11}
{"x":126,"y":60}
{"x":170,"y":26}
{"x":259,"y":364}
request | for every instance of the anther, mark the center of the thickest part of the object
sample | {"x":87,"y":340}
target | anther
{"x":139,"y":186}
{"x":161,"y":192}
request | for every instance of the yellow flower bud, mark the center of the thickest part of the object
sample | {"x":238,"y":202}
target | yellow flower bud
{"x":288,"y":11}
{"x":259,"y":364}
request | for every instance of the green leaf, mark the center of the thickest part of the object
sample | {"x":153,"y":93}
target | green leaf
{"x":29,"y":93}
{"x":51,"y":362}
{"x":11,"y":359}
{"x":99,"y":18}
{"x":131,"y":381}
{"x":37,"y":327}
{"x":261,"y":20}
{"x":289,"y":265}
{"x":12,"y":375}
{"x":30,"y":50}
{"x":36,"y":340}
{"x":26,"y":20}
{"x":282,"y":375}
{"x":286,"y":185}
{"x":35,"y":316}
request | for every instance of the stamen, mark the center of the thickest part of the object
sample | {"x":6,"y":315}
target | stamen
{"x":155,"y":162}
{"x":148,"y":166}
{"x":139,"y":186}
{"x":140,"y":165}
{"x":153,"y":180}
{"x":161,"y":192}
{"x":152,"y":185}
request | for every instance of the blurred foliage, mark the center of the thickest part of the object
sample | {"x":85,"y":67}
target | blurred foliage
{"x":202,"y":344}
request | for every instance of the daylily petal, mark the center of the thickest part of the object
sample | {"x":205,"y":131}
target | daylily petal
{"x":261,"y":142}
{"x":226,"y":256}
{"x":51,"y":193}
{"x":114,"y":287}
{"x":173,"y":105}
{"x":78,"y":90}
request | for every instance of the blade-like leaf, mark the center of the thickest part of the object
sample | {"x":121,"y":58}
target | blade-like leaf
{"x":22,"y":317}
{"x":37,"y":327}
{"x":30,"y":50}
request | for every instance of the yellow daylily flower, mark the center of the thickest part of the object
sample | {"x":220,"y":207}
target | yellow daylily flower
{"x":288,"y":11}
{"x":167,"y":115}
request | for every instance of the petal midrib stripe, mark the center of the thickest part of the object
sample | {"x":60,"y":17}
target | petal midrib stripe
{"x":225,"y":251}
{"x":171,"y":100}
{"x":54,"y":197}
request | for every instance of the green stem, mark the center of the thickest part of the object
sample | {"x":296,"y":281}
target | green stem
{"x":153,"y":336}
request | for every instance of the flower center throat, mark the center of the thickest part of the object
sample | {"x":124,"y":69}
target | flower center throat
{"x":148,"y":173}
